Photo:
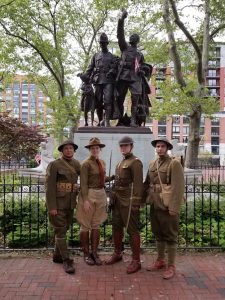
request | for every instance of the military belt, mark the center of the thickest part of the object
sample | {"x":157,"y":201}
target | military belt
{"x":156,"y":187}
{"x":96,"y":188}
{"x":67,"y":187}
{"x":123,"y":187}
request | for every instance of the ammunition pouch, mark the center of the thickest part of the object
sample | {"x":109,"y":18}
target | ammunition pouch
{"x":67,"y":187}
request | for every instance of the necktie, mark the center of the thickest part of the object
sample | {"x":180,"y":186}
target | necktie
{"x":101,"y":173}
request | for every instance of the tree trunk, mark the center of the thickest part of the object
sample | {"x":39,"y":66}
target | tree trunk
{"x":193,"y":139}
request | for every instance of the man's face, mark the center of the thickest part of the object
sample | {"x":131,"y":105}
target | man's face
{"x":68,"y":151}
{"x":103,"y":45}
{"x":161,"y":148}
{"x":125,"y":149}
{"x":134,"y":39}
{"x":95,"y":151}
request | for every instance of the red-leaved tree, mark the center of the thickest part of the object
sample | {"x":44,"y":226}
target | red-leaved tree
{"x":17,"y":139}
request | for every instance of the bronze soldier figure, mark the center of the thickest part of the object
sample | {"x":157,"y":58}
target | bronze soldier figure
{"x":164,"y":216}
{"x":61,"y":193}
{"x":102,"y":71}
{"x":129,"y":74}
{"x":87,"y":99}
{"x":127,"y":193}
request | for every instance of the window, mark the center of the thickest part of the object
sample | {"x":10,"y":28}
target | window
{"x":162,"y":121}
{"x":176,"y":120}
{"x":215,"y":141}
{"x":212,"y":82}
{"x":215,"y":150}
{"x":186,"y":120}
{"x":162,"y":130}
{"x":176,"y":129}
{"x":215,"y":131}
{"x":215,"y":121}
{"x":186,"y":130}
{"x":185,"y":139}
{"x":213,"y":92}
{"x":212,"y":73}
{"x":202,"y":130}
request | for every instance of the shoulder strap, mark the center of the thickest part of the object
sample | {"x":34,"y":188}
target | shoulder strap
{"x":168,"y":172}
{"x":68,"y":165}
{"x":160,"y":181}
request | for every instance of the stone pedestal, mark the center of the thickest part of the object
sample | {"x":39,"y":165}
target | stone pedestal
{"x":110,"y":136}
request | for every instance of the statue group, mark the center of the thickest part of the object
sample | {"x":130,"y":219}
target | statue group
{"x":108,"y":78}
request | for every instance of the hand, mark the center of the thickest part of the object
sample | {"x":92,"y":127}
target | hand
{"x":135,"y":208}
{"x":124,"y":14}
{"x":172,"y":213}
{"x":53,"y":212}
{"x":87,"y":206}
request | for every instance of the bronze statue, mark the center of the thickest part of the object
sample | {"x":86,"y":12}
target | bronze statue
{"x":130,"y":70}
{"x":87,"y":98}
{"x":102,"y":73}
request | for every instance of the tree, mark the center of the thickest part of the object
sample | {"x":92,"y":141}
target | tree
{"x":192,"y":91}
{"x":17,"y":139}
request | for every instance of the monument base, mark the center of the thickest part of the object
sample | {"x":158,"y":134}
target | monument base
{"x":110,"y":136}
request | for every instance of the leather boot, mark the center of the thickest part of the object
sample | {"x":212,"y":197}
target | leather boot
{"x":84,"y":239}
{"x":108,"y":111}
{"x":134,"y":104}
{"x":135,"y":264}
{"x":95,"y":238}
{"x":100,"y":115}
{"x":57,"y":257}
{"x":62,"y":247}
{"x":68,"y":266}
{"x":117,"y":254}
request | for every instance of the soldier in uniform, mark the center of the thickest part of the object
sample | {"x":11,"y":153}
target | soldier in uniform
{"x":130,"y":73}
{"x":91,"y":209}
{"x":102,"y":71}
{"x":165,"y":220}
{"x":61,"y":193}
{"x":127,"y":193}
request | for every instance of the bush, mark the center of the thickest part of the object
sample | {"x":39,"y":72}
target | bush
{"x":24,"y":224}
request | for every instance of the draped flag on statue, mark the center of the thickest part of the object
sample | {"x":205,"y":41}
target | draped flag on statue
{"x":137,"y":65}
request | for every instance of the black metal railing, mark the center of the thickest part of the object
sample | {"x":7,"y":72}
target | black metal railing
{"x":24,"y":220}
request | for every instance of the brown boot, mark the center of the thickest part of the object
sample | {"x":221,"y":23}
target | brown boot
{"x":157,"y":265}
{"x":117,"y":255}
{"x":57,"y":258}
{"x":84,"y":239}
{"x":68,"y":266}
{"x":95,"y":238}
{"x":135,"y":264}
{"x":170,"y":272}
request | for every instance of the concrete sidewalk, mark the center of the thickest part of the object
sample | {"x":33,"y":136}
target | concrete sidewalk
{"x":199,"y":276}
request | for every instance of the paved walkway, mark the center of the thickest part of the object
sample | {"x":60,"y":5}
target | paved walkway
{"x":199,"y":276}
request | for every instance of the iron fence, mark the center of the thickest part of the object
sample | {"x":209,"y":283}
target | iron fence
{"x":24,"y":220}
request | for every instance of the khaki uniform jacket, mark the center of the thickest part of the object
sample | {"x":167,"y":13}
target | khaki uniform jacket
{"x":57,"y":171}
{"x":129,"y":171}
{"x":176,"y":180}
{"x":89,"y":175}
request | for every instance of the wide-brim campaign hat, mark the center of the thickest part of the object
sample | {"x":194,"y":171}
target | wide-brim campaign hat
{"x":95,"y":142}
{"x":67,"y":142}
{"x":164,"y":140}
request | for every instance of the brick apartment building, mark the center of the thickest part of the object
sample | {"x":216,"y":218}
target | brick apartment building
{"x":24,"y":100}
{"x":212,"y":131}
